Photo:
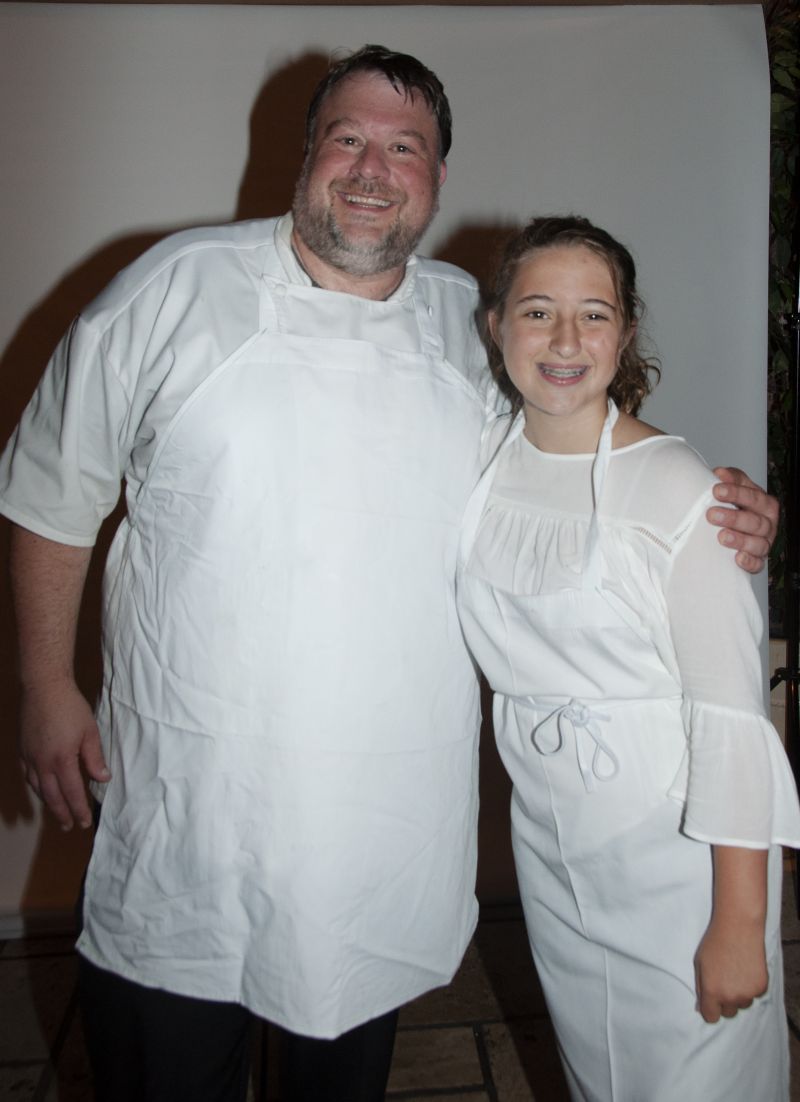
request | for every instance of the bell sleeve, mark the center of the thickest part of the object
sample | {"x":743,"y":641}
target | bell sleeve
{"x":736,"y":782}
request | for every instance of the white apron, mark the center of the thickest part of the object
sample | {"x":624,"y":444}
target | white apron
{"x":616,"y":899}
{"x":292,"y":711}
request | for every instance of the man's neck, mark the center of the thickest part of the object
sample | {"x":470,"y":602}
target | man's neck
{"x":322,"y":274}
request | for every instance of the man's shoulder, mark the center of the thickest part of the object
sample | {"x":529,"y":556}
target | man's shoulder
{"x":229,"y":235}
{"x":186,"y":260}
{"x":452,"y":299}
{"x":443,"y":272}
{"x":450,"y":291}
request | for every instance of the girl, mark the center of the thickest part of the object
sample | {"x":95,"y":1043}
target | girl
{"x":651,"y":795}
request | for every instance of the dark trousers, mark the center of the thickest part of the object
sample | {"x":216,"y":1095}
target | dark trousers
{"x":153,"y":1046}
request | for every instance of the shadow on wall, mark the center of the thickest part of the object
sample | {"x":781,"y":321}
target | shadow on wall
{"x":277,"y":124}
{"x":476,"y":247}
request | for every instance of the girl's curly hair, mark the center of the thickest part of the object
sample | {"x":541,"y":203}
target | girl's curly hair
{"x":632,"y":382}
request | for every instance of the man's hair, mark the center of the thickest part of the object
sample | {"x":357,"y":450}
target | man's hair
{"x":632,"y":382}
{"x":403,"y":72}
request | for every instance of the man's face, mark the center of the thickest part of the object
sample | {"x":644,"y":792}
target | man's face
{"x":370,"y":183}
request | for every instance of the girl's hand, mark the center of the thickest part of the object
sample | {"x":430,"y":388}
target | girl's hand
{"x":730,"y":968}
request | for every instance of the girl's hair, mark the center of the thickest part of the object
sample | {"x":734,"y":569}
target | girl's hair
{"x":632,"y":382}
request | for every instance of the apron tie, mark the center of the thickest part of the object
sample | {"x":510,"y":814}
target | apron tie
{"x":583,"y":719}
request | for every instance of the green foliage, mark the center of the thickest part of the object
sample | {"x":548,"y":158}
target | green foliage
{"x":783,"y":39}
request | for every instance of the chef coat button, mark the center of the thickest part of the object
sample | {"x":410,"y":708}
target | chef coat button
{"x":430,"y":311}
{"x":280,"y":290}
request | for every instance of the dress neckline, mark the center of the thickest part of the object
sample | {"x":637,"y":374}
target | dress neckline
{"x":527,"y":445}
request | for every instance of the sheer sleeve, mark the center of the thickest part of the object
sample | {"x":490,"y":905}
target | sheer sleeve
{"x":737,"y":783}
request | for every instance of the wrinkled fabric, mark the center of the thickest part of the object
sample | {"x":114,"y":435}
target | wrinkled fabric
{"x":289,"y":711}
{"x":621,"y":643}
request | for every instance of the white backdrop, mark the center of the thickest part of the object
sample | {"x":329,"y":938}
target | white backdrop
{"x":120,"y":123}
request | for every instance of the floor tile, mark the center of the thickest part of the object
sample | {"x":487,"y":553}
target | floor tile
{"x":461,"y":1096}
{"x":34,"y":995}
{"x":506,"y":957}
{"x":70,"y":1080}
{"x":425,"y":1059}
{"x":524,"y":1062}
{"x":18,"y":1084}
{"x":470,"y":997}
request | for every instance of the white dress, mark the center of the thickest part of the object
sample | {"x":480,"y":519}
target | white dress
{"x":622,"y":648}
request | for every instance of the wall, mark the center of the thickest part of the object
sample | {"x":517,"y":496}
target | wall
{"x":121,"y":123}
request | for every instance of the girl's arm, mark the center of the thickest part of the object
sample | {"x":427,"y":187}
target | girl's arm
{"x":740,"y":796}
{"x":730,"y":964}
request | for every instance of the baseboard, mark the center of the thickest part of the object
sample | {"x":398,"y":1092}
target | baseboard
{"x":56,"y":923}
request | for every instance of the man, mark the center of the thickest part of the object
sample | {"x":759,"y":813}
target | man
{"x":288,"y":717}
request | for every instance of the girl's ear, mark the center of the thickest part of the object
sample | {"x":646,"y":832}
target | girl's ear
{"x":626,"y":340}
{"x":494,"y":328}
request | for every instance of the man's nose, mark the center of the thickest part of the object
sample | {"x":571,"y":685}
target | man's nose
{"x":371,"y":163}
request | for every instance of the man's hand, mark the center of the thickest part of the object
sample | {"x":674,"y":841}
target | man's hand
{"x":751,"y":527}
{"x":58,"y":734}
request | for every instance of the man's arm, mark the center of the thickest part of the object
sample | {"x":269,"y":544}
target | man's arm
{"x":57,"y":727}
{"x":751,"y":527}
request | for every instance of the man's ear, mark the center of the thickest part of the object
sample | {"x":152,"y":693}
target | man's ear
{"x":442,"y":172}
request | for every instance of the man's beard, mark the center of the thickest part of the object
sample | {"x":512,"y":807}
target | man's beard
{"x":320,"y":232}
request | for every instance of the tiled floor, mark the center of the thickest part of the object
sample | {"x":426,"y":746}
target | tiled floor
{"x":485,"y":1038}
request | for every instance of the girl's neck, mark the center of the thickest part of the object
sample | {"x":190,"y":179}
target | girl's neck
{"x":568,"y":436}
{"x":574,"y":434}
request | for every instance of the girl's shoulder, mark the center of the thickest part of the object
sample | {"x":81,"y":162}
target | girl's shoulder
{"x":630,"y":430}
{"x":661,"y":480}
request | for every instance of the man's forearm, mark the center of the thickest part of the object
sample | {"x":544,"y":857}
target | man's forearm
{"x":47,"y":583}
{"x":58,"y":734}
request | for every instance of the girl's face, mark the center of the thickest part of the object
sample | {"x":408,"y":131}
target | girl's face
{"x":561,"y":334}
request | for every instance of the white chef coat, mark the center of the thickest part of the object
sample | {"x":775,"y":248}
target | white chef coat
{"x":621,"y":642}
{"x":288,"y":709}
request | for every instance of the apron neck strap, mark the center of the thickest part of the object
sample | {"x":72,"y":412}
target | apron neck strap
{"x":475,"y":506}
{"x":592,"y":559}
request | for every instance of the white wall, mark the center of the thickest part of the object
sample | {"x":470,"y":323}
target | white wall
{"x":120,"y":123}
